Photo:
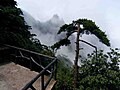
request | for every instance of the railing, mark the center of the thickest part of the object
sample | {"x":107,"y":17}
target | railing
{"x":41,"y":74}
{"x":28,"y":56}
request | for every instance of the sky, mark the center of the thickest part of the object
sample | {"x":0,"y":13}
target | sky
{"x":104,"y":12}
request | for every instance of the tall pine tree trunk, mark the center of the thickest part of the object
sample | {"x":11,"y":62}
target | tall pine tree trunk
{"x":76,"y":58}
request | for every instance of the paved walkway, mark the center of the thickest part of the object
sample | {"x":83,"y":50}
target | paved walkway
{"x":14,"y":77}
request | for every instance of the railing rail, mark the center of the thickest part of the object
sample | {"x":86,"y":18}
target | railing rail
{"x":32,"y":52}
{"x":51,"y":68}
{"x":29,"y":85}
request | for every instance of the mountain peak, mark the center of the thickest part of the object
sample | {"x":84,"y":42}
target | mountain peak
{"x":56,"y":20}
{"x":55,"y":16}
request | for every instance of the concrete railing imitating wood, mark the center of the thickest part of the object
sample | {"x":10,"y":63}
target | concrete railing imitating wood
{"x":41,"y":74}
{"x":50,"y":68}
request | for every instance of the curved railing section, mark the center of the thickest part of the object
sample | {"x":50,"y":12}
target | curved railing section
{"x":46,"y":63}
{"x":41,"y":74}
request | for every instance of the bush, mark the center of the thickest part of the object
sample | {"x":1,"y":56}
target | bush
{"x":64,"y":77}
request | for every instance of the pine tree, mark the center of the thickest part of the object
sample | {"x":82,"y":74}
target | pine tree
{"x":89,"y":27}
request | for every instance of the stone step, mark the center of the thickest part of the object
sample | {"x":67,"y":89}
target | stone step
{"x":14,"y":77}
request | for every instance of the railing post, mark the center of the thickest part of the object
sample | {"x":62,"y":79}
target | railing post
{"x":55,"y":77}
{"x":32,"y":88}
{"x":15,"y":56}
{"x":53,"y":70}
{"x":40,"y":60}
{"x":42,"y":82}
{"x":30,"y":63}
{"x":28,"y":55}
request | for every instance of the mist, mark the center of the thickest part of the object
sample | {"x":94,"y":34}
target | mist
{"x":47,"y":34}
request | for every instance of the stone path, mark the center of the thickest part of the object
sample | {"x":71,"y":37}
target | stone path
{"x":14,"y":77}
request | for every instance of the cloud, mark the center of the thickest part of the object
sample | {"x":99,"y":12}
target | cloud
{"x":45,"y":31}
{"x":67,"y":9}
{"x":104,"y":12}
{"x":47,"y":34}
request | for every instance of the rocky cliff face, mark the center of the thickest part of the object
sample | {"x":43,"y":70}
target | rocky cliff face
{"x":46,"y":31}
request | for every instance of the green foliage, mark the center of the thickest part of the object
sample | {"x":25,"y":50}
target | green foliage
{"x":47,"y":51}
{"x":13,"y":29}
{"x":62,"y":42}
{"x":89,"y":27}
{"x":64,"y":77}
{"x":7,"y":3}
{"x":101,"y":74}
{"x":70,"y":29}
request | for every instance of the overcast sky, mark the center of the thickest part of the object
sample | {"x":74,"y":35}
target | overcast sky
{"x":105,"y":13}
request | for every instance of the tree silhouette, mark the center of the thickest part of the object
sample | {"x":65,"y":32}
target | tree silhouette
{"x":13,"y":28}
{"x":88,"y":27}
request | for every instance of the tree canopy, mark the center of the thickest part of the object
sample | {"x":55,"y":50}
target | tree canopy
{"x":102,"y":73}
{"x":81,"y":26}
{"x":15,"y":31}
{"x":13,"y":28}
{"x":89,"y":27}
